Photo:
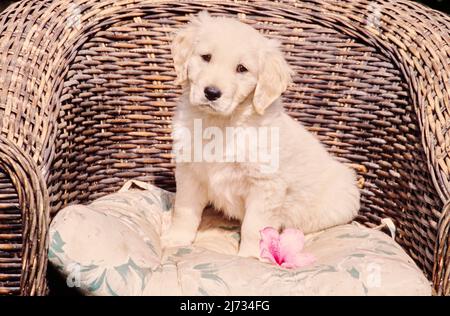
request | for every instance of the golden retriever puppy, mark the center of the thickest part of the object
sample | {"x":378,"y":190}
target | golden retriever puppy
{"x":233,"y":78}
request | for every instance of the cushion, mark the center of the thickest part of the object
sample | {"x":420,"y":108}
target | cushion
{"x":112,"y":247}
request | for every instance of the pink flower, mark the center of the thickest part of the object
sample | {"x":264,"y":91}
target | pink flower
{"x":284,"y":249}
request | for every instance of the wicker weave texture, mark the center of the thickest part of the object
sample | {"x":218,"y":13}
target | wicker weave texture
{"x":87,"y":94}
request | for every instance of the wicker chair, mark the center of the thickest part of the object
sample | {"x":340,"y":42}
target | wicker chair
{"x":87,"y":93}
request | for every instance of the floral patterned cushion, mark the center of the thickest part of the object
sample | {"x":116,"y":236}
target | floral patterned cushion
{"x":112,"y":247}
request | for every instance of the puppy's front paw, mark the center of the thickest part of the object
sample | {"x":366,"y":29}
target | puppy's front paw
{"x":177,"y":238}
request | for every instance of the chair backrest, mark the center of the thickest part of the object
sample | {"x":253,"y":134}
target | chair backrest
{"x":104,"y":83}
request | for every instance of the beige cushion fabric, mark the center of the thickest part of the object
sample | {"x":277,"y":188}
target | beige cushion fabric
{"x":112,"y":247}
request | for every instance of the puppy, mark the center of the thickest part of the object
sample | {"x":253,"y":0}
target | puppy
{"x":233,"y":77}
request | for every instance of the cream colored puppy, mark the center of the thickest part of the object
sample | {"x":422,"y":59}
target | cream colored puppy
{"x":233,"y":77}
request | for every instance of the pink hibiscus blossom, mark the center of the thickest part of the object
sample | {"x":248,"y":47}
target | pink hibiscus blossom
{"x":284,"y":249}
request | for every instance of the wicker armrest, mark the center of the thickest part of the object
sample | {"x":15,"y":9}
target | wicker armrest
{"x":441,"y":269}
{"x":34,"y":207}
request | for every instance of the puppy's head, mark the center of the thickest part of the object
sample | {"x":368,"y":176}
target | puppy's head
{"x":224,"y":62}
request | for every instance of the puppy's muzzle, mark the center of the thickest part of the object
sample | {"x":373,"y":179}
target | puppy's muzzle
{"x":212,"y":93}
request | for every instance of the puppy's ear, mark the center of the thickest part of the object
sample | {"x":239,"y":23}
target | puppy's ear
{"x":183,"y":43}
{"x":273,"y":78}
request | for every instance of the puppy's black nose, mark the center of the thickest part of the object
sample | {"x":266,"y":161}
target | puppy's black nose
{"x":212,"y":93}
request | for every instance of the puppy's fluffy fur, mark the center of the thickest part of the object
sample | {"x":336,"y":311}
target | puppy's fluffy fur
{"x":310,"y":190}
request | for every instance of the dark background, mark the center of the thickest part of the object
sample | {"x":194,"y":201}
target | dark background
{"x":442,"y":5}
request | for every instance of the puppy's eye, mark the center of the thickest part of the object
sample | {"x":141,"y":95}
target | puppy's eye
{"x":241,"y":68}
{"x":206,"y":57}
